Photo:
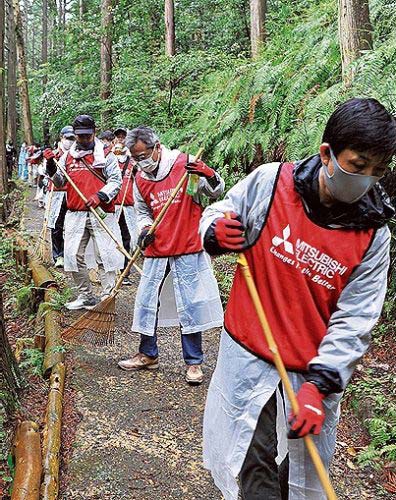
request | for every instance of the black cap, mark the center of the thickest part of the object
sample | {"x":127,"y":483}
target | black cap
{"x":84,"y":124}
{"x":120,"y":129}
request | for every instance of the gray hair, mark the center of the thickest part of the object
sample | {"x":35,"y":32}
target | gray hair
{"x":142,"y":133}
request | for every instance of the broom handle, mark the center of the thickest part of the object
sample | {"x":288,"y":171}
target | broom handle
{"x":158,"y":219}
{"x":97,"y":216}
{"x":312,"y":450}
{"x":48,"y":209}
{"x":125,"y":193}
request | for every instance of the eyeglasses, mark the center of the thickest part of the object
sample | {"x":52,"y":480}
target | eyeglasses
{"x":144,"y":156}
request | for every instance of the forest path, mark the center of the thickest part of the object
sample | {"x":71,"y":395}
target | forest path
{"x":140,"y":434}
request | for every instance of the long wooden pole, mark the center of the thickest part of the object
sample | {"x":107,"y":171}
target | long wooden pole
{"x":119,"y":246}
{"x":312,"y":450}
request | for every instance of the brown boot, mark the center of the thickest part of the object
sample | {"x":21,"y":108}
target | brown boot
{"x":194,"y":375}
{"x":139,"y":362}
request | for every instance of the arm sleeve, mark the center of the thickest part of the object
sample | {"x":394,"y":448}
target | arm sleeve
{"x":113,"y":176}
{"x":249,"y":198}
{"x":144,"y":215}
{"x":58,"y":178}
{"x":358,"y":310}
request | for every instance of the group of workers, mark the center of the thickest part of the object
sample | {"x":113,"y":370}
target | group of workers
{"x":314,"y":233}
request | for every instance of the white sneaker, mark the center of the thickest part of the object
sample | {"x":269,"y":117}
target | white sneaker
{"x":59,"y":262}
{"x":82,"y":303}
{"x":194,"y":375}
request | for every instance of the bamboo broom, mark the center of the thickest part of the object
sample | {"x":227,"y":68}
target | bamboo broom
{"x":43,"y":245}
{"x":312,"y":450}
{"x":97,"y":326}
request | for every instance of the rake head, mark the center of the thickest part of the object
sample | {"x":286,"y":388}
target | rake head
{"x":95,"y":327}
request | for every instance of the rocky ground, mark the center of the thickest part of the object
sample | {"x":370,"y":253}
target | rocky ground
{"x":138,"y":436}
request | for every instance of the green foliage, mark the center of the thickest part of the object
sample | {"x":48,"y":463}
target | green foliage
{"x":33,"y":361}
{"x":377,"y":392}
{"x":24,"y":298}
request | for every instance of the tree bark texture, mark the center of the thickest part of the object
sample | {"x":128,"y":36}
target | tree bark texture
{"x":3,"y":162}
{"x":106,"y":58}
{"x":11,"y":78}
{"x":44,"y":60}
{"x":170,"y":37}
{"x":24,"y":90}
{"x":355,"y":33}
{"x":9,"y":384}
{"x":257,"y":25}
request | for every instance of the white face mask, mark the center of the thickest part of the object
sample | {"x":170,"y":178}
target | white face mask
{"x":148,"y":165}
{"x":67,"y":143}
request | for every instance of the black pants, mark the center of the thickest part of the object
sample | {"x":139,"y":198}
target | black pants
{"x":126,"y":237}
{"x":58,"y":242}
{"x":260,"y":477}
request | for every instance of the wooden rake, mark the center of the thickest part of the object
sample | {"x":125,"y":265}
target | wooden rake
{"x":312,"y":450}
{"x":97,"y":326}
{"x":42,"y":249}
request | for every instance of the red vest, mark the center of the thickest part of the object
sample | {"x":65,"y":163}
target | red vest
{"x":127,"y":182}
{"x":86,"y":181}
{"x":177,"y":234}
{"x":300,"y":270}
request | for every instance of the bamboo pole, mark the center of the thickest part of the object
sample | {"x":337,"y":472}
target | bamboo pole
{"x":53,"y":337}
{"x":27,"y":462}
{"x":52,"y":434}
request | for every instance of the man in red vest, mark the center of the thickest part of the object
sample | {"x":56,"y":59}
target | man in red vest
{"x":96,"y":173}
{"x":316,"y":239}
{"x":177,"y":286}
{"x":56,"y":219}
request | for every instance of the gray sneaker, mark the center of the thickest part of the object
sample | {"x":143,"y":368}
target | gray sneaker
{"x":82,"y":303}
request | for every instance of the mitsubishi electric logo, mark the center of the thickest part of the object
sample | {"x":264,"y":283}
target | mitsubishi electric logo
{"x":277,"y":241}
{"x":312,"y":262}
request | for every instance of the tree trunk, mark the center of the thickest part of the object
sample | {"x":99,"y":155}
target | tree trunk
{"x":106,"y":58}
{"x":44,"y":60}
{"x":9,"y":381}
{"x":24,"y":90}
{"x":170,"y":37}
{"x":355,"y":33}
{"x":83,"y":8}
{"x":11,"y":79}
{"x":258,"y":10}
{"x":3,"y":162}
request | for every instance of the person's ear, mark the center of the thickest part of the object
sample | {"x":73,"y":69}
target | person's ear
{"x":324,"y":152}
